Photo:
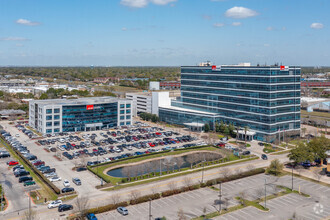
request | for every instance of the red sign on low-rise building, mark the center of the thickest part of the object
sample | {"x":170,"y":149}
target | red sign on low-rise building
{"x":89,"y":107}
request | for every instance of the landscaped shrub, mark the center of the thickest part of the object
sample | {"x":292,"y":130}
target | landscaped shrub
{"x":144,"y":199}
{"x":106,"y":208}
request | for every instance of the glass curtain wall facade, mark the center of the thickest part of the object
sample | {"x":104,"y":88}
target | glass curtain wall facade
{"x":76,"y":117}
{"x":266,"y":98}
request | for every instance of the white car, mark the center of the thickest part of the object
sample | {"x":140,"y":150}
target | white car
{"x":48,"y":175}
{"x":66,"y":183}
{"x":17,"y":135}
{"x":54,"y":204}
{"x":54,"y":179}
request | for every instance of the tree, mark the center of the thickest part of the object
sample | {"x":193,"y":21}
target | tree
{"x":300,"y":154}
{"x":206,"y":127}
{"x":43,"y":96}
{"x":190,"y":159}
{"x":242,"y":196}
{"x":30,"y":214}
{"x":115,"y":198}
{"x":259,"y":193}
{"x":172,"y":186}
{"x":135,"y":194}
{"x":81,"y":205}
{"x":226,"y":131}
{"x":181,"y":215}
{"x":179,"y":162}
{"x":303,"y":130}
{"x":127,"y":172}
{"x":225,"y":172}
{"x":275,"y":167}
{"x":246,"y":129}
{"x":187,"y":181}
{"x":317,"y":174}
{"x":250,"y":167}
{"x":222,"y":127}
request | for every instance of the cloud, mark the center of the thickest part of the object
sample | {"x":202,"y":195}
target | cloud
{"x":317,"y":26}
{"x":236,"y":24}
{"x":266,"y":45}
{"x":27,"y":22}
{"x":13,"y":39}
{"x":270,"y":28}
{"x":207,"y":17}
{"x":162,"y":2}
{"x":240,"y":12}
{"x":217,"y":25}
{"x":124,"y":29}
{"x":144,"y":3}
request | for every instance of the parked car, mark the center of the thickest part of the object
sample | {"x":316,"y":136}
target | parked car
{"x":264,"y":157}
{"x":246,"y":152}
{"x":54,"y":179}
{"x":24,"y":178}
{"x":122,"y":210}
{"x":22,"y":173}
{"x":65,"y":190}
{"x":64,"y":207}
{"x":12,"y":163}
{"x":91,"y":216}
{"x":66,"y":183}
{"x":79,"y":169}
{"x":76,"y":181}
{"x":54,"y":204}
{"x":29,"y":183}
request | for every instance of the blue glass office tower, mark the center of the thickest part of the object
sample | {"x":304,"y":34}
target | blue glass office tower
{"x":264,"y":98}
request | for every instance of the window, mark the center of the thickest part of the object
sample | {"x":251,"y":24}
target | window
{"x":128,"y":123}
{"x":122,"y":105}
{"x":49,"y":131}
{"x":49,"y":111}
{"x":56,"y":116}
{"x":122,"y":123}
{"x":49,"y":117}
{"x":56,"y":123}
{"x":122,"y":111}
{"x":128,"y":105}
{"x":122,"y":117}
{"x":128,"y":117}
{"x":56,"y":130}
{"x":48,"y":124}
{"x":56,"y":110}
{"x":128,"y":111}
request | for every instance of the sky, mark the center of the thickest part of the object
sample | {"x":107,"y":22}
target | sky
{"x":164,"y":32}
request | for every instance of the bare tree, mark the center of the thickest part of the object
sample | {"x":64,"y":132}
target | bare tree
{"x":76,"y":163}
{"x":30,"y":214}
{"x":135,"y":171}
{"x":135,"y":194}
{"x":127,"y":172}
{"x":187,"y":181}
{"x":172,"y":185}
{"x":259,"y":193}
{"x":225,"y":172}
{"x":181,"y":215}
{"x":150,"y":167}
{"x":81,"y":205}
{"x":238,"y":171}
{"x":179,"y":162}
{"x":250,"y":167}
{"x":242,"y":196}
{"x":226,"y":203}
{"x":141,"y":170}
{"x":167,"y":164}
{"x":115,"y":198}
{"x":190,"y":159}
{"x":317,"y":174}
{"x":154,"y":190}
{"x":83,"y":160}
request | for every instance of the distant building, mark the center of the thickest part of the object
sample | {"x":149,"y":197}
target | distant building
{"x":83,"y":114}
{"x":153,"y":85}
{"x":148,"y":102}
{"x":321,"y":107}
{"x":169,"y":85}
{"x":11,"y":114}
{"x":318,"y":84}
{"x":105,"y":80}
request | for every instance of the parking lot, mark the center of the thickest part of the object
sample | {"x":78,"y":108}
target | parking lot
{"x":193,"y":203}
{"x":97,"y":146}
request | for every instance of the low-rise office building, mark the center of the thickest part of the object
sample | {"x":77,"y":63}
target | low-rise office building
{"x":148,"y":102}
{"x":83,"y":114}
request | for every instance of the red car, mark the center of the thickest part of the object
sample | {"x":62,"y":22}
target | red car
{"x":12,"y":163}
{"x":221,"y":144}
{"x":38,"y":162}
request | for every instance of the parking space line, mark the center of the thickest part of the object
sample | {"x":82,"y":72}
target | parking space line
{"x":135,"y":209}
{"x":182,"y":197}
{"x":163,"y":201}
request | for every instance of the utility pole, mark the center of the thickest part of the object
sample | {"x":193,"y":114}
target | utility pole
{"x":1,"y":198}
{"x":292,"y":176}
{"x":150,"y":216}
{"x":220,"y":198}
{"x":160,"y":167}
{"x":265,"y":193}
{"x":29,"y":205}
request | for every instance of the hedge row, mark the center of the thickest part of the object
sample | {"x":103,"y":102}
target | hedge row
{"x":163,"y":194}
{"x":35,"y":170}
{"x":106,"y":208}
{"x":144,"y":199}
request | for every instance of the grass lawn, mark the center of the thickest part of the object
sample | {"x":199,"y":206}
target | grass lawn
{"x":321,"y":114}
{"x":124,"y":89}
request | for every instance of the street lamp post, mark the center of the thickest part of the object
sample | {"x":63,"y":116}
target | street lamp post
{"x":265,"y":193}
{"x":292,"y":177}
{"x":150,"y":216}
{"x":220,"y":198}
{"x":203,"y":171}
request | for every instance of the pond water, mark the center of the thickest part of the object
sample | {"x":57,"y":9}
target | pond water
{"x":164,"y":164}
